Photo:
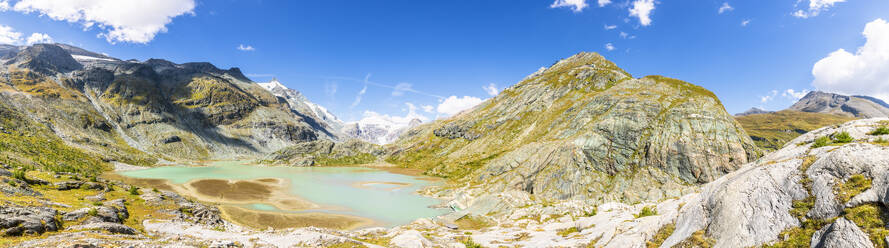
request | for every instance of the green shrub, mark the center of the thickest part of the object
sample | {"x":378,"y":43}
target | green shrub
{"x":821,"y":142}
{"x":20,"y":175}
{"x":134,"y":190}
{"x":647,"y":211}
{"x":842,"y":137}
{"x":92,"y":212}
{"x":883,"y":130}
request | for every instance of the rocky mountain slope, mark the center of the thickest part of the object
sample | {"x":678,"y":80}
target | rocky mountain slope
{"x":137,"y":112}
{"x":320,"y":118}
{"x":770,"y":131}
{"x":853,"y":106}
{"x":582,"y":129}
{"x":753,"y":111}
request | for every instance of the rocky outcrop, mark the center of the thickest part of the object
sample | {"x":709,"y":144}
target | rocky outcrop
{"x":799,"y":183}
{"x":325,"y":152}
{"x":855,"y":106}
{"x":18,"y":220}
{"x":45,"y":58}
{"x":584,"y":128}
{"x":840,"y":233}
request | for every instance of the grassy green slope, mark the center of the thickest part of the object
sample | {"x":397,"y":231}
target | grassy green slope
{"x":771,"y":131}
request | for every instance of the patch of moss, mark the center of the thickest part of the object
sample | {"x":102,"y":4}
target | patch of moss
{"x":470,"y":222}
{"x":872,"y":219}
{"x":698,"y":239}
{"x":851,"y":187}
{"x":567,"y":231}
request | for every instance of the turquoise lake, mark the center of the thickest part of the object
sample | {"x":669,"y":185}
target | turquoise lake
{"x":382,"y":197}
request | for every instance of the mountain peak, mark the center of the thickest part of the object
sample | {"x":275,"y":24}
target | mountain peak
{"x":832,"y":103}
{"x":45,"y":58}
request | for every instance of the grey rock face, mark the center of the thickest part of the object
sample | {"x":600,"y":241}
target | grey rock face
{"x":16,"y":220}
{"x":822,"y":102}
{"x":45,"y":58}
{"x":750,"y":207}
{"x":842,"y":233}
{"x":68,"y":185}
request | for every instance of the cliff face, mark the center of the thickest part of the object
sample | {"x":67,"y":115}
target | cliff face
{"x":151,"y":109}
{"x":584,"y":128}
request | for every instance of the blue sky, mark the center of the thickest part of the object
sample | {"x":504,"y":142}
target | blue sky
{"x":421,"y":53}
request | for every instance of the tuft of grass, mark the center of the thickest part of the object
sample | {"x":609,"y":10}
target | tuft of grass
{"x":833,"y":139}
{"x":882,"y":130}
{"x":850,"y":188}
{"x":134,"y":190}
{"x":661,"y":236}
{"x":646,"y":211}
{"x":472,"y":223}
{"x":92,"y":212}
{"x":698,"y":239}
{"x":821,"y":142}
{"x":842,"y":137}
{"x":567,"y":231}
{"x":469,"y":243}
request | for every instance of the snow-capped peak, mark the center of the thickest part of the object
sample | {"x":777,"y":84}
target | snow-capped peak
{"x":271,"y":85}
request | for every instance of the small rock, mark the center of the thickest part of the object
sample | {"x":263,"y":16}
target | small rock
{"x":6,"y":173}
{"x":105,"y":226}
{"x":68,"y":185}
{"x":410,"y":238}
{"x":172,"y":139}
{"x":94,"y":186}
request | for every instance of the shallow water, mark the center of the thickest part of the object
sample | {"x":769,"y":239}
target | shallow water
{"x":387,"y":198}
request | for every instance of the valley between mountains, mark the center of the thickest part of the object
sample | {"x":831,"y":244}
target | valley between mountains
{"x":101,"y":152}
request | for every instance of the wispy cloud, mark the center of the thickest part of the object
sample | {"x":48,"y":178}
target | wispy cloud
{"x":602,"y":3}
{"x":794,"y":95}
{"x":361,"y":92}
{"x":8,"y":35}
{"x":609,"y":47}
{"x":725,"y":8}
{"x":815,"y":8}
{"x":745,"y":22}
{"x":400,"y":88}
{"x":610,"y":27}
{"x":491,"y":89}
{"x":246,"y":48}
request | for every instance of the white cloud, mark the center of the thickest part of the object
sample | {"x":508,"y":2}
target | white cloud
{"x":134,"y":21}
{"x":428,"y":108}
{"x":642,"y":9}
{"x":575,"y":5}
{"x":491,"y":89}
{"x":393,"y":121}
{"x":8,"y":35}
{"x":725,"y":7}
{"x":602,"y":3}
{"x":453,"y":104}
{"x":745,"y":22}
{"x":4,"y":5}
{"x":400,"y":88}
{"x":866,"y":72}
{"x":610,"y":27}
{"x":36,"y":38}
{"x":609,"y":47}
{"x":815,"y":8}
{"x":623,"y":35}
{"x":794,"y":95}
{"x":247,"y":48}
{"x":769,"y":97}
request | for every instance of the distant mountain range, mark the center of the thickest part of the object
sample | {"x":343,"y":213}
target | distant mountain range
{"x":852,"y":106}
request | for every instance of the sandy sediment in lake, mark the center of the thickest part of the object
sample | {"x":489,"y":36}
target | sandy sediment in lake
{"x":271,"y":191}
{"x":264,"y":219}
